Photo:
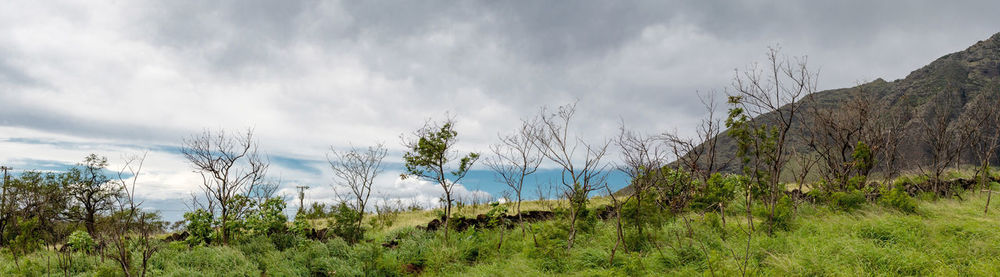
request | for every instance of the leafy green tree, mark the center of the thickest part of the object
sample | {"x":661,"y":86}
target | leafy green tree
{"x":41,"y":198}
{"x":28,"y":239}
{"x":431,"y":156}
{"x":92,"y":191}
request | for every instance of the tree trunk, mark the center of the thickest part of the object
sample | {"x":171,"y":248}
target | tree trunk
{"x":572,"y":228}
{"x":447,"y":218}
{"x":989,"y":194}
{"x":89,"y":219}
{"x":520,"y":218}
{"x":225,"y":221}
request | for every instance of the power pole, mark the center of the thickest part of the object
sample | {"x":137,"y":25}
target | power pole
{"x":4,"y":214}
{"x":3,"y":196}
{"x":302,"y":195}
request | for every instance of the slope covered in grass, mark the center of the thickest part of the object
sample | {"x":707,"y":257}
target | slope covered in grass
{"x":943,"y":238}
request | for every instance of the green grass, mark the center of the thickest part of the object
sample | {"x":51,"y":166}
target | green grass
{"x":943,"y":238}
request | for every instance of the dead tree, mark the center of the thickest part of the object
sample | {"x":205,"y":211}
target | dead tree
{"x":355,"y":170}
{"x":230,"y":167}
{"x":801,"y":173}
{"x":944,"y":135}
{"x":514,"y":158}
{"x":578,"y":180}
{"x":771,"y":96}
{"x":131,"y":228}
{"x":891,"y":132}
{"x":619,"y":231}
{"x":643,"y":157}
{"x":986,"y":110}
{"x":835,"y":133}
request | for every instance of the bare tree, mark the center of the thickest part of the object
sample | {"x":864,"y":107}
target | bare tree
{"x":514,"y":158}
{"x":355,"y":170}
{"x":230,"y":167}
{"x":619,"y":232}
{"x":697,"y":155}
{"x":805,"y":163}
{"x":834,"y":133}
{"x":131,"y":228}
{"x":642,"y":159}
{"x":773,"y":92}
{"x":986,"y":109}
{"x":944,"y":138}
{"x":432,"y":150}
{"x":890,"y":133}
{"x":578,"y":180}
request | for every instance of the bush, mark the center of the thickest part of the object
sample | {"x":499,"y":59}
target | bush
{"x":649,"y":214}
{"x":847,"y":201}
{"x":268,"y":218}
{"x":345,"y":224}
{"x":898,"y":199}
{"x":80,"y":240}
{"x":783,"y":214}
{"x":285,"y":240}
{"x":312,"y":259}
{"x":718,"y":190}
{"x":199,"y":227}
{"x":261,"y":252}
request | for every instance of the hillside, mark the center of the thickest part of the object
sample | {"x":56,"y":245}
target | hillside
{"x":943,"y":238}
{"x":954,"y":79}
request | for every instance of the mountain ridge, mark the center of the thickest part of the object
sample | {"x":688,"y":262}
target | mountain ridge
{"x":955,"y":79}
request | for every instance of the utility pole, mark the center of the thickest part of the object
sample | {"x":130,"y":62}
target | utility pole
{"x":3,"y":196}
{"x":4,"y":214}
{"x":302,"y":195}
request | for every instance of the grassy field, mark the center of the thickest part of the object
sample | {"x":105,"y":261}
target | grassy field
{"x":944,"y":238}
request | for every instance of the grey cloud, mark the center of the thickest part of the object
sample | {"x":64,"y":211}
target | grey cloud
{"x":311,"y":73}
{"x":15,"y":77}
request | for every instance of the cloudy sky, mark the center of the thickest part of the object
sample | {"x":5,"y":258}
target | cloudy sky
{"x":121,"y":77}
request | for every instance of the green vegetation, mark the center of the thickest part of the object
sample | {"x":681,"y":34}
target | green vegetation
{"x":943,"y":238}
{"x":684,"y":213}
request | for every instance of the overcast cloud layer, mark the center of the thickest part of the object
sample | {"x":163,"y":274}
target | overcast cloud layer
{"x":121,"y":77}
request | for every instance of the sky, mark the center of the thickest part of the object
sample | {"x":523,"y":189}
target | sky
{"x":117,"y":78}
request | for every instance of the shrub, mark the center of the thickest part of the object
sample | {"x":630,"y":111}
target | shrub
{"x":312,"y":259}
{"x":718,"y":190}
{"x":586,"y":219}
{"x":783,"y":214}
{"x":268,"y":218}
{"x":80,"y":240}
{"x":344,"y":224}
{"x":199,"y":227}
{"x":898,"y":199}
{"x":285,"y":240}
{"x":848,"y":201}
{"x":649,"y":214}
